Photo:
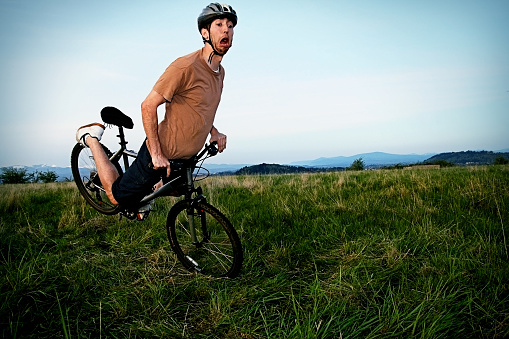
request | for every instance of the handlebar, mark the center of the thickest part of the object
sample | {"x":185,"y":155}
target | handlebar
{"x":210,"y":149}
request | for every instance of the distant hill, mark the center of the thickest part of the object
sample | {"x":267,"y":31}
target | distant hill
{"x":375,"y":159}
{"x":371,"y":160}
{"x":280,"y":169}
{"x":469,"y":157}
{"x":223,"y":168}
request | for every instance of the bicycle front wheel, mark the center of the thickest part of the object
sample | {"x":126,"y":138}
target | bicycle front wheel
{"x":215,"y":250}
{"x":85,"y":176}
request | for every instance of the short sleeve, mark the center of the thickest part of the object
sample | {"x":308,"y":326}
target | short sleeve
{"x":169,"y":82}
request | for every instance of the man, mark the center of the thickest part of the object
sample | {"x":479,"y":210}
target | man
{"x":191,"y":89}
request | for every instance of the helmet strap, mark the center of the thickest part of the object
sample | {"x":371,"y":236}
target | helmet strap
{"x":214,"y":51}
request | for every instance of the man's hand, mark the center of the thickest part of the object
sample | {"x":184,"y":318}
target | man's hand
{"x":215,"y":135}
{"x":161,"y":162}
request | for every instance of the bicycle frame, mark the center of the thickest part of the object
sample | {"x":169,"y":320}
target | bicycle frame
{"x":202,"y":238}
{"x":165,"y":189}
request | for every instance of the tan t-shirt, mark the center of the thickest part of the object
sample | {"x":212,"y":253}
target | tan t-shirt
{"x":192,"y":92}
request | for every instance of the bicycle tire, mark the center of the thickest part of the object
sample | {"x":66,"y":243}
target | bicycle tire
{"x":85,"y":176}
{"x":219,"y":255}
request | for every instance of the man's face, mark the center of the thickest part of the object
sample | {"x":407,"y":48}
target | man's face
{"x":221,"y":34}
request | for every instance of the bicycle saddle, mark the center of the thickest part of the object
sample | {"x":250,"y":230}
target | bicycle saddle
{"x":112,"y":115}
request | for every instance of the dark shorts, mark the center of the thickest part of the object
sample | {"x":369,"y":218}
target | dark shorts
{"x":137,"y":181}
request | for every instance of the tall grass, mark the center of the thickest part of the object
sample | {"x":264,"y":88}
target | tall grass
{"x":371,"y":254}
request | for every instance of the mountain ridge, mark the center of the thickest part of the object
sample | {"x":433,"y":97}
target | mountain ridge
{"x":372,"y":159}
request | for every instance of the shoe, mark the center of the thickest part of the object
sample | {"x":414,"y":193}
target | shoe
{"x":95,"y":130}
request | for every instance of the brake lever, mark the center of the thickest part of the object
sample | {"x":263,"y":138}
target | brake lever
{"x":212,"y":149}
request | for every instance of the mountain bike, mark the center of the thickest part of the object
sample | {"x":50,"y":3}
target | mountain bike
{"x":202,"y":238}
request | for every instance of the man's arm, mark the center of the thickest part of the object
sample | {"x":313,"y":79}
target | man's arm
{"x":215,"y":135}
{"x":150,"y":122}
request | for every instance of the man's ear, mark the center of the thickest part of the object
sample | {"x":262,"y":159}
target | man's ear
{"x":205,"y":33}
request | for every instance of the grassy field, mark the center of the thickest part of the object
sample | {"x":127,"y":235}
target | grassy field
{"x":371,"y":254}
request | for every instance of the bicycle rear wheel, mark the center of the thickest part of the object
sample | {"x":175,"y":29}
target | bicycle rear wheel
{"x":85,"y":175}
{"x":217,"y":251}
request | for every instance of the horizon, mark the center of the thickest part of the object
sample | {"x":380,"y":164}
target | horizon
{"x":293,"y":163}
{"x":307,"y":82}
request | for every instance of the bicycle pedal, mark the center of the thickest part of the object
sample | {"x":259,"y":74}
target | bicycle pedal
{"x":142,"y":215}
{"x":128,"y":215}
{"x":143,"y":211}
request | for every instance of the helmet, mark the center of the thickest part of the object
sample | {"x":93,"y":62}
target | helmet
{"x":216,"y":11}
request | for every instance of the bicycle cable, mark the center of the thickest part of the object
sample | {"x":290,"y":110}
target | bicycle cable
{"x":199,"y":167}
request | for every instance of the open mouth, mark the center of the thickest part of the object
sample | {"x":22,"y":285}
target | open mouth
{"x":224,"y":42}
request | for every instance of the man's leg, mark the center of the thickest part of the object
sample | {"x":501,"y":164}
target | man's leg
{"x":89,"y":136}
{"x":105,"y":169}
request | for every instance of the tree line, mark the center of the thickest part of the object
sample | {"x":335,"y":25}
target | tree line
{"x":357,"y":165}
{"x":472,"y":157}
{"x":12,"y":175}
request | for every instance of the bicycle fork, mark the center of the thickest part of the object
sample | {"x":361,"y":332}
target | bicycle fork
{"x":193,"y":211}
{"x":190,"y":208}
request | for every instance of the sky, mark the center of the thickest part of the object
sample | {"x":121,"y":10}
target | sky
{"x":304,"y":79}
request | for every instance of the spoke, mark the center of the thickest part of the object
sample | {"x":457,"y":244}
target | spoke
{"x":217,"y":251}
{"x":182,"y":227}
{"x":221,"y":259}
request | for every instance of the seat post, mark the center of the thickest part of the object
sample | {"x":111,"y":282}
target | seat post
{"x":123,"y":145}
